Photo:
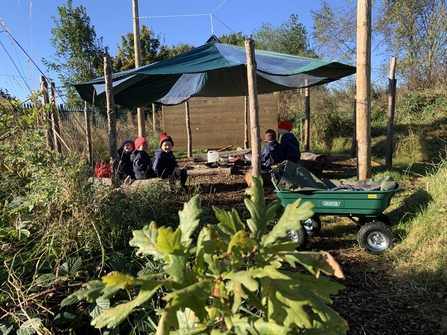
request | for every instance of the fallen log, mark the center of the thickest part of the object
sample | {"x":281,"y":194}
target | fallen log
{"x":313,"y":162}
{"x":222,"y":154}
{"x":204,"y":171}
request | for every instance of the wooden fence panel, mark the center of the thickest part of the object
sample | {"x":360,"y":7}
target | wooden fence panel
{"x":217,"y":122}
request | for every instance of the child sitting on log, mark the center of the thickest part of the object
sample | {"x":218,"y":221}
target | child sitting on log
{"x":165,"y":165}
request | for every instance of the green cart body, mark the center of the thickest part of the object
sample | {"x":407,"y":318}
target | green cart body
{"x":364,"y":208}
{"x":368,"y":204}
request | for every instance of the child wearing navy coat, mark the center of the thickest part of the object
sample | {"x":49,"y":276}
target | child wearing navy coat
{"x":272,"y":152}
{"x":289,"y":144}
{"x":125,"y":168}
{"x":141,"y":161}
{"x":165,"y":165}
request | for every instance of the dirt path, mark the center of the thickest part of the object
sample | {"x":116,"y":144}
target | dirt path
{"x":375,"y":302}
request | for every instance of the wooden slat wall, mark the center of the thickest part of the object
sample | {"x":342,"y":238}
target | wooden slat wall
{"x":217,"y":122}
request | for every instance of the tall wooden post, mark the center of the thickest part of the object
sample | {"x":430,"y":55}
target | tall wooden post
{"x":47,"y":114}
{"x":307,"y":118}
{"x":246,"y":125}
{"x":137,"y":51}
{"x":111,"y":118}
{"x":254,"y":108}
{"x":391,"y":107}
{"x":353,"y":152}
{"x":55,"y":119}
{"x":88,"y":129}
{"x":363,"y":83}
{"x":154,"y":127}
{"x":188,"y":128}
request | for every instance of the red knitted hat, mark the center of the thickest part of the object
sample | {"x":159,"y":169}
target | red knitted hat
{"x":139,"y":141}
{"x":287,"y":125}
{"x":164,"y":137}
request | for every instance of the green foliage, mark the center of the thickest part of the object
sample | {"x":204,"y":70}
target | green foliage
{"x":289,"y":38}
{"x":79,"y":54}
{"x":234,"y":39}
{"x":415,"y":32}
{"x":149,"y":46}
{"x":232,"y":278}
{"x":334,"y":31}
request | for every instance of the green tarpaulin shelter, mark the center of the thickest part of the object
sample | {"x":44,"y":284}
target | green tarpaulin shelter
{"x":212,"y":70}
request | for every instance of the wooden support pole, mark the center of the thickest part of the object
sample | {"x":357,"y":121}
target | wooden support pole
{"x":307,"y":118}
{"x":246,"y":107}
{"x":55,"y":120}
{"x":111,"y":118}
{"x":137,"y":51}
{"x":188,"y":128}
{"x":363,"y":85}
{"x":46,"y":114}
{"x":391,"y":108}
{"x":254,"y":108}
{"x":154,"y":127}
{"x":353,"y":152}
{"x":88,"y":134}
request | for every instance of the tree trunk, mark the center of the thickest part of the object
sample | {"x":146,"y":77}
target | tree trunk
{"x":111,"y":118}
{"x":88,"y":129}
{"x":137,"y":51}
{"x":307,"y":119}
{"x":55,"y":120}
{"x":246,"y":142}
{"x":363,"y":86}
{"x":188,"y":129}
{"x":254,"y":108}
{"x":391,"y":108}
{"x":47,"y":115}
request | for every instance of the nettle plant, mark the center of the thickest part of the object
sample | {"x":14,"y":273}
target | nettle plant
{"x":234,"y":278}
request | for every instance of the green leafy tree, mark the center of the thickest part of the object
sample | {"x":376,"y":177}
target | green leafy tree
{"x":168,"y":52}
{"x":149,"y":46}
{"x":416,"y":33}
{"x":79,"y":54}
{"x":234,"y":39}
{"x":335,"y":31}
{"x":289,"y":38}
{"x":233,"y":278}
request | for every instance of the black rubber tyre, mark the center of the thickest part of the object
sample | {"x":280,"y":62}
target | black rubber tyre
{"x":299,"y":236}
{"x":312,"y":225}
{"x":375,"y":238}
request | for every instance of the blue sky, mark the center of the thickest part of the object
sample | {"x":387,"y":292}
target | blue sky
{"x":187,"y":21}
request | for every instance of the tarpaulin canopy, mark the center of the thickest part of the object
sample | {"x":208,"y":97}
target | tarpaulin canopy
{"x":212,"y":70}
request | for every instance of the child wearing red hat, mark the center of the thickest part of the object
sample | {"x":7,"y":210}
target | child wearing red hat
{"x":142,"y":164}
{"x":165,"y":165}
{"x":289,"y":143}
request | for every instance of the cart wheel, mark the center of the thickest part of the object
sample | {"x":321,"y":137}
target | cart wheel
{"x":299,"y":236}
{"x":375,"y":238}
{"x":312,"y":225}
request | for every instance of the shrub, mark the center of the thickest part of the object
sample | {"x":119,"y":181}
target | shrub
{"x":234,"y":278}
